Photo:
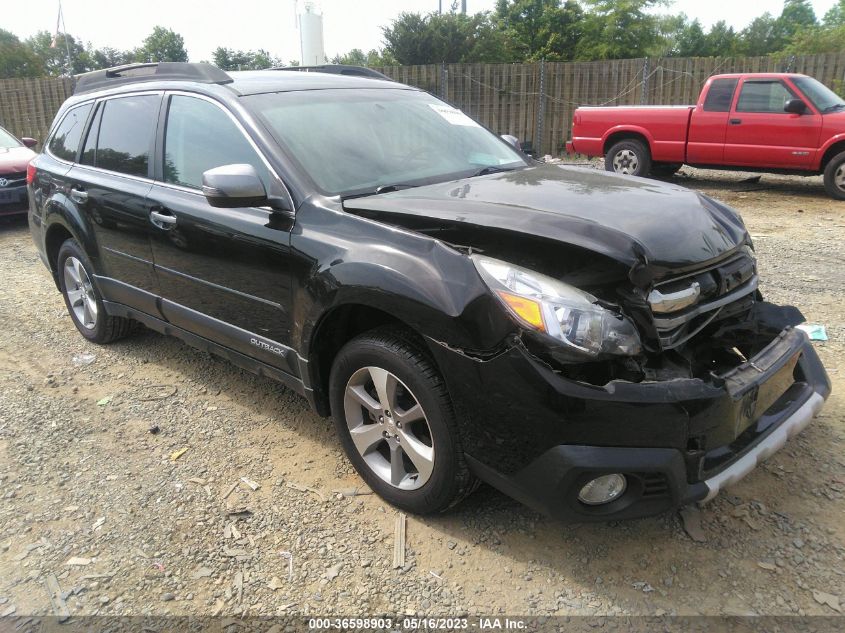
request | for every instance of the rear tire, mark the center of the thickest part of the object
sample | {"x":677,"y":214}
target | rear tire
{"x":834,"y":177}
{"x":83,"y":300}
{"x":630,"y":157}
{"x":386,"y":392}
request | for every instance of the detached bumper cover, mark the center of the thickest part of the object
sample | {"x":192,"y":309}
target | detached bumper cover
{"x":539,"y":437}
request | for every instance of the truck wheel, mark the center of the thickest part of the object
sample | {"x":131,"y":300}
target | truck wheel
{"x":83,"y":302}
{"x":834,"y":177}
{"x":396,"y":423}
{"x":629,"y":157}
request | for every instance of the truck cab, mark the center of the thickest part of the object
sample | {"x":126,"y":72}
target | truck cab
{"x":768,"y":122}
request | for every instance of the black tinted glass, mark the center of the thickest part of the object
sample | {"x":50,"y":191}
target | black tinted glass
{"x":126,"y":134}
{"x":720,"y":95}
{"x":89,"y":149}
{"x":189,"y":148}
{"x":65,"y":141}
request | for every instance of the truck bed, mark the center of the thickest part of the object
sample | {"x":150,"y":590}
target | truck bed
{"x":665,"y":127}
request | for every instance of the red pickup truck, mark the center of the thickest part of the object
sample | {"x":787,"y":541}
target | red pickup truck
{"x":773,"y":122}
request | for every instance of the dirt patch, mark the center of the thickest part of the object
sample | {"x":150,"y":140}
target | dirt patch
{"x":83,"y":477}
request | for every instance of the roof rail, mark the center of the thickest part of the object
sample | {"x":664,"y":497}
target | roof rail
{"x":338,"y":69}
{"x":155,"y":71}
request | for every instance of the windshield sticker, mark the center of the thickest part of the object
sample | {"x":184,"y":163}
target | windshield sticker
{"x":453,"y":115}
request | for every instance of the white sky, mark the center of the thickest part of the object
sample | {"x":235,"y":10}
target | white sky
{"x":271,"y":24}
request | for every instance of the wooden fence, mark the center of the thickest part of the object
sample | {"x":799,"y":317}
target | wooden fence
{"x":27,"y":106}
{"x":534,"y":102}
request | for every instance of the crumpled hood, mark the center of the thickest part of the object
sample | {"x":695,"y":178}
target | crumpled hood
{"x":14,"y":159}
{"x":651,"y":226}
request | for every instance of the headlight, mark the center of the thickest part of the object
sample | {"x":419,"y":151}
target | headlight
{"x":559,"y":310}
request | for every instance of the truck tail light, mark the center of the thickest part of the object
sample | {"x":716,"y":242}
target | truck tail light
{"x":30,"y":173}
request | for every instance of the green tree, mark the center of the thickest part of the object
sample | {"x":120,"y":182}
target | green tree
{"x":413,"y":38}
{"x":540,"y":29}
{"x":108,"y":57}
{"x":722,"y":40}
{"x":619,"y":29}
{"x":763,"y":36}
{"x":691,"y":40}
{"x":53,"y":53}
{"x":162,"y":45}
{"x":409,"y":40}
{"x":16,"y":59}
{"x":229,"y":59}
{"x":836,"y":15}
{"x":797,"y":15}
{"x":355,"y":57}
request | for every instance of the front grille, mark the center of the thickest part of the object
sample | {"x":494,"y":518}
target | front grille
{"x":724,"y":290}
{"x":13,"y":180}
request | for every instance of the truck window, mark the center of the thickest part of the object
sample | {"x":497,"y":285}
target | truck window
{"x":720,"y":95}
{"x":763,"y":96}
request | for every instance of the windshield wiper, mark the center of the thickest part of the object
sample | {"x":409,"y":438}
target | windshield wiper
{"x":380,"y":189}
{"x":835,"y":106}
{"x":490,"y":169}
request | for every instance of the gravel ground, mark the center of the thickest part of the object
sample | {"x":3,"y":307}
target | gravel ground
{"x":97,"y":494}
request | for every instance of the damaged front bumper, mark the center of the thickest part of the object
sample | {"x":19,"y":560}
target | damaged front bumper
{"x":539,"y":437}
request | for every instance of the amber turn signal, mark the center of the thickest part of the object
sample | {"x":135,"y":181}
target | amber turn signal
{"x":526,"y":309}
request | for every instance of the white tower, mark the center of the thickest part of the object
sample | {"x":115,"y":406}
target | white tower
{"x":311,"y":36}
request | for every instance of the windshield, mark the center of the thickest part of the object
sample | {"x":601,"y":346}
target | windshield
{"x":822,"y":97}
{"x":7,"y":140}
{"x":357,"y":141}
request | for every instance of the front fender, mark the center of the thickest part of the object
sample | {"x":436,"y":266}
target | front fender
{"x":426,"y":284}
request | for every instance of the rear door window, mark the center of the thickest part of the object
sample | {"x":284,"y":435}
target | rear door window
{"x":720,"y":95}
{"x":125,"y":136}
{"x":763,"y":96}
{"x":65,"y":141}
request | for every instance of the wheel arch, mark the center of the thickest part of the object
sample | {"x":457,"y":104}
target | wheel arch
{"x":335,"y":328}
{"x":56,"y":235}
{"x":617,"y":134}
{"x":832,"y":150}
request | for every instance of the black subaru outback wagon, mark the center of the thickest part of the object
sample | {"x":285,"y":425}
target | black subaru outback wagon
{"x":593,"y":345}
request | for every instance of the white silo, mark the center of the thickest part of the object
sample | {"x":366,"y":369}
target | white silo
{"x":311,"y":35}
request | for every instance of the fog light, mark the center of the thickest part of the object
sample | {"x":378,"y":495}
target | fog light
{"x":603,"y":489}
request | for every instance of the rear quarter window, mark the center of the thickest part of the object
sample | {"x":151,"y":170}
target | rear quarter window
{"x":720,"y":95}
{"x":65,"y":141}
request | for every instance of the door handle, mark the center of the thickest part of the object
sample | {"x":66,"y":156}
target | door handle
{"x":162,"y":219}
{"x":735,"y":121}
{"x":79,"y":196}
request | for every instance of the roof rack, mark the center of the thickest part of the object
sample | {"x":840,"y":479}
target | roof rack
{"x":156,"y":71}
{"x":338,"y":69}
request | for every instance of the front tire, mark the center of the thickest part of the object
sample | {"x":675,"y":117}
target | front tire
{"x":630,"y":157}
{"x":396,"y":422}
{"x":834,"y":177}
{"x":82,"y":299}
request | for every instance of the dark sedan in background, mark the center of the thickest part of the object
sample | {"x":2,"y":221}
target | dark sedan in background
{"x":15,"y":155}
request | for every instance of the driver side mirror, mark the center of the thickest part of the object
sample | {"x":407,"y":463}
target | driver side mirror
{"x":29,"y":142}
{"x":233,"y":186}
{"x":795,"y":106}
{"x":510,"y":139}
